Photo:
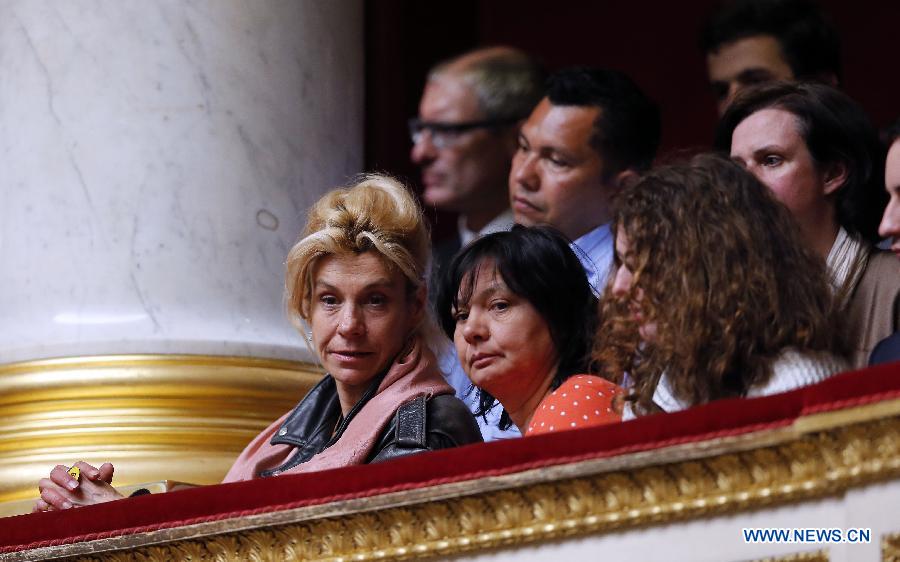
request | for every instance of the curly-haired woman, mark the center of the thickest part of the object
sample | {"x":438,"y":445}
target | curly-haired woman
{"x":714,"y":295}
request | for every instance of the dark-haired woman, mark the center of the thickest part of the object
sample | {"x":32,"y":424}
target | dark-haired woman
{"x":522,"y":315}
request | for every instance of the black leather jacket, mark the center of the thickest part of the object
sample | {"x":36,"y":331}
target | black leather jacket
{"x":418,"y":425}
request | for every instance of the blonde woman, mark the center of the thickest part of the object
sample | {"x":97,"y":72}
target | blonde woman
{"x":356,"y":279}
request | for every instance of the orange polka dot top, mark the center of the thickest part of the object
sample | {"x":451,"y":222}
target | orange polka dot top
{"x":581,"y":401}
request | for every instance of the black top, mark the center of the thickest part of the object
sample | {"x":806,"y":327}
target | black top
{"x":887,"y":350}
{"x":418,"y":425}
{"x":440,"y":260}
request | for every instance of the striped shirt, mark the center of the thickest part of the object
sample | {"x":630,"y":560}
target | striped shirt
{"x":595,"y":250}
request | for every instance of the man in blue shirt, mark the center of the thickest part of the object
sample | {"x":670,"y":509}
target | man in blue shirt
{"x":593,"y":131}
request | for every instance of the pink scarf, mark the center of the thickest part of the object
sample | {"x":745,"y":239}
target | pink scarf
{"x":409,"y":377}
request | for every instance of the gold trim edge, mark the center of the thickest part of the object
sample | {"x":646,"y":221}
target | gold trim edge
{"x":810,"y":556}
{"x":137,"y":411}
{"x":139,"y":359}
{"x":890,"y":547}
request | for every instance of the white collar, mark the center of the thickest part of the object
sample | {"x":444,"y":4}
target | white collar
{"x":846,"y":262}
{"x":501,"y":222}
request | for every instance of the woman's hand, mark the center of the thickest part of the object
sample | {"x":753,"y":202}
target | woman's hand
{"x":63,"y":491}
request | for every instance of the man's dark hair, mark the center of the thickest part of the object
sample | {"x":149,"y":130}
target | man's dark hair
{"x":537,"y":264}
{"x":836,"y":130}
{"x":809,"y":42}
{"x":627,"y":130}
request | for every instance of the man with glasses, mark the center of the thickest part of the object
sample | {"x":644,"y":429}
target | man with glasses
{"x":465,"y":136}
{"x":464,"y":139}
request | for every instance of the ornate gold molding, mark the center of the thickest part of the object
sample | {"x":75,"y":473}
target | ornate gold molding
{"x":153,"y":416}
{"x":815,"y":556}
{"x":722,"y":476}
{"x":890,"y":548}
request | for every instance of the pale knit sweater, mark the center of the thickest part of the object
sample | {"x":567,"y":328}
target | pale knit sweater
{"x":791,"y":370}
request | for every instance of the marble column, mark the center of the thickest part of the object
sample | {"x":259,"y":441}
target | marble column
{"x":157,"y":160}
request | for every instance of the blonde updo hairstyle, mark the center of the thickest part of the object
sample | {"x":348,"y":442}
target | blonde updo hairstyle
{"x":374,"y":214}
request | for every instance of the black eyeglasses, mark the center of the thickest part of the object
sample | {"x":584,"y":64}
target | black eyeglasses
{"x":444,"y":135}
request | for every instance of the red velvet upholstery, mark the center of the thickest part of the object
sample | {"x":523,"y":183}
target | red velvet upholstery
{"x":726,"y":417}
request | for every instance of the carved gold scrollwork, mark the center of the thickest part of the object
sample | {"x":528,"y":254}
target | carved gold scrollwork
{"x":890,"y":548}
{"x":816,"y":556}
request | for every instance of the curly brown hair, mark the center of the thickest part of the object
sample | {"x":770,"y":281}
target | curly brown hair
{"x":723,"y":275}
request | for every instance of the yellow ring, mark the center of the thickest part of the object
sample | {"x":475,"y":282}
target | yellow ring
{"x":75,"y":472}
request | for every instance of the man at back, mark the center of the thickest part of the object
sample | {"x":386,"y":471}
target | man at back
{"x":753,"y":41}
{"x":888,"y":350}
{"x":465,"y":135}
{"x":593,"y":131}
{"x":464,"y":139}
